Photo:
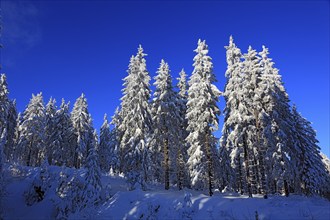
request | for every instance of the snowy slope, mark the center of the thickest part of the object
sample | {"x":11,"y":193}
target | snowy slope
{"x":156,"y":203}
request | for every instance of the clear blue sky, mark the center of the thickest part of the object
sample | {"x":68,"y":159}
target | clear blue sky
{"x":64,"y":48}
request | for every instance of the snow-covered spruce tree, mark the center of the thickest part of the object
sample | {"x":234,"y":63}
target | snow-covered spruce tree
{"x":202,"y":115}
{"x":17,"y":152}
{"x":249,"y":114}
{"x":113,"y":151}
{"x":182,"y":156}
{"x":70,"y":193}
{"x":104,"y":146}
{"x":83,"y":130}
{"x":277,"y":129}
{"x":11,"y":126}
{"x":66,"y":137}
{"x":8,"y":115}
{"x":52,"y":137}
{"x":231,"y":161}
{"x":165,"y":117}
{"x":31,"y":141}
{"x":116,"y":136}
{"x":93,"y":186}
{"x":240,"y":131}
{"x":4,"y":102}
{"x":62,"y":202}
{"x":312,"y":172}
{"x":135,"y":122}
{"x":4,"y":109}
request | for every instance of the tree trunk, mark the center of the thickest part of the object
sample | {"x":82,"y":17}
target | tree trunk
{"x":240,"y":176}
{"x":209,"y":165}
{"x":261,"y":155}
{"x":29,"y":154}
{"x":286,"y":188}
{"x":166,"y":165}
{"x":180,"y":170}
{"x":254,"y":175}
{"x":247,"y":165}
{"x":29,"y":158}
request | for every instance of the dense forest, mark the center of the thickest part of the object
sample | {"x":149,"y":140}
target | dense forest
{"x":267,"y":146}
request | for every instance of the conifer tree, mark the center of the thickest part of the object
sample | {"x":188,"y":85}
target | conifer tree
{"x":312,"y":172}
{"x":165,"y":124}
{"x":11,"y":126}
{"x":251,"y":73}
{"x":32,"y":132}
{"x":8,"y":115}
{"x":4,"y":102}
{"x":17,"y":152}
{"x":116,"y":136}
{"x":52,"y":137}
{"x":66,"y":136}
{"x":93,"y":185}
{"x":231,"y":175}
{"x":83,"y":130}
{"x":277,"y":128}
{"x":182,"y":156}
{"x":135,"y":121}
{"x":202,"y":115}
{"x":104,"y":146}
{"x":114,"y":151}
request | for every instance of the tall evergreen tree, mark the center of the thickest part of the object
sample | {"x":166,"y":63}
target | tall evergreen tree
{"x":135,"y":121}
{"x":32,"y":132}
{"x":231,"y":175}
{"x":104,"y":146}
{"x":83,"y":130}
{"x":93,"y":186}
{"x":8,"y":115}
{"x":202,"y":115}
{"x":165,"y":124}
{"x":116,"y":136}
{"x":65,"y":136}
{"x":182,"y":156}
{"x":312,"y":172}
{"x":52,"y":137}
{"x":251,"y":72}
{"x":277,"y":128}
{"x":11,"y":126}
{"x":114,"y":162}
{"x":4,"y":102}
{"x":17,"y":151}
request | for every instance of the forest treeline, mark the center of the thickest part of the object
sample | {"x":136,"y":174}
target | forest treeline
{"x":267,"y":146}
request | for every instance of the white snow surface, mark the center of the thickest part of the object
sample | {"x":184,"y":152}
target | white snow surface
{"x":157,"y":203}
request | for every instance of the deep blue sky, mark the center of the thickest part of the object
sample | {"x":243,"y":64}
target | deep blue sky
{"x":64,"y":48}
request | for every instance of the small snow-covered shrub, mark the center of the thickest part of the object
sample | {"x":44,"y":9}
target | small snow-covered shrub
{"x":187,"y":206}
{"x":39,"y":186}
{"x":106,"y":192}
{"x":152,"y":211}
{"x":69,"y":194}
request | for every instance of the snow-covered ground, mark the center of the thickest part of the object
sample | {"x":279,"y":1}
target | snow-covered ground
{"x":156,"y":203}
